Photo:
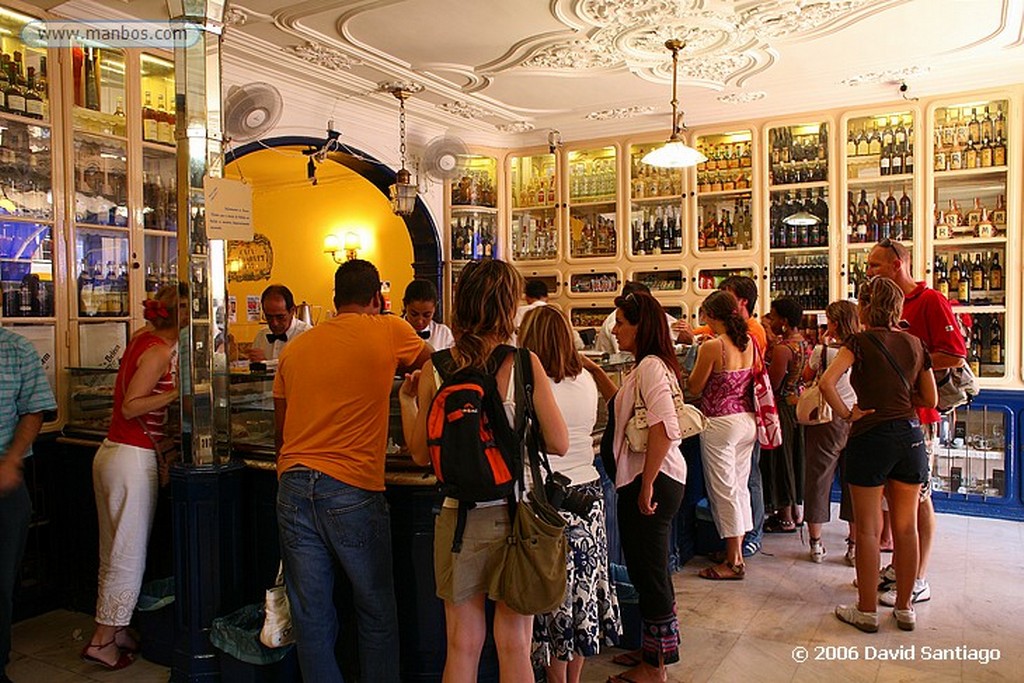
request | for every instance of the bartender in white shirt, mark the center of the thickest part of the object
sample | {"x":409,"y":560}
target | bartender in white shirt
{"x":282,"y":325}
{"x":418,"y":307}
{"x":536,"y":294}
{"x":605,"y":341}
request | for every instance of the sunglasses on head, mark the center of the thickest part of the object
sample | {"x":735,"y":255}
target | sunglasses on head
{"x":887,"y":243}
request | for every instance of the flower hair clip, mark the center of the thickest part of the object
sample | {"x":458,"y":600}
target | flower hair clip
{"x":153,"y":309}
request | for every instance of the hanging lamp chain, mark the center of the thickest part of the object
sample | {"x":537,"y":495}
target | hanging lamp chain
{"x":401,"y":126}
{"x":675,"y":45}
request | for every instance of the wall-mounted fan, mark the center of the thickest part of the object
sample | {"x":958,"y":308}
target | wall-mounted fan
{"x":444,"y":158}
{"x":251,"y":111}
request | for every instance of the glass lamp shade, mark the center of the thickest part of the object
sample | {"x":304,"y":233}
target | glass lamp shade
{"x":403,"y":194}
{"x":801,"y":218}
{"x":674,"y":154}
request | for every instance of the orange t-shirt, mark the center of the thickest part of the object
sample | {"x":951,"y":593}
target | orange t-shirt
{"x":336,"y":379}
{"x":754,"y":328}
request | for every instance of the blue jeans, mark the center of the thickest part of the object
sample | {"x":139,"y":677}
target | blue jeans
{"x":15,"y":513}
{"x":325,"y":523}
{"x":756,"y":496}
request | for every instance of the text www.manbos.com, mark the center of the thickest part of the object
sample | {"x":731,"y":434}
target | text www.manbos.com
{"x":102,"y":33}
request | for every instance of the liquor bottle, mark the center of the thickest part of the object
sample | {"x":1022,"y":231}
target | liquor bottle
{"x":984,"y":227}
{"x":149,"y":120}
{"x":995,"y":342}
{"x":908,"y":158}
{"x":963,"y":129}
{"x":942,"y":279}
{"x":4,"y":82}
{"x":978,"y":275}
{"x":851,"y":142}
{"x":974,"y":214}
{"x":999,"y":124}
{"x":92,"y":91}
{"x":875,"y":141}
{"x":974,"y":126}
{"x":955,"y":275}
{"x":863,"y":215}
{"x":963,"y":288}
{"x":954,"y":158}
{"x":995,"y":273}
{"x":954,"y":217}
{"x":14,"y":94}
{"x":987,"y":124}
{"x":885,"y":159}
{"x":42,"y":86}
{"x":970,"y":156}
{"x":33,"y":102}
{"x":864,"y":141}
{"x":163,"y":121}
{"x":999,"y":150}
{"x":976,"y":353}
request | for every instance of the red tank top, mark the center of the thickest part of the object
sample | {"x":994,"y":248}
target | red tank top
{"x":130,"y":432}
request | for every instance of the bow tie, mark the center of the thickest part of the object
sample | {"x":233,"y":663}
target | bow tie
{"x":424,"y":334}
{"x":277,"y":337}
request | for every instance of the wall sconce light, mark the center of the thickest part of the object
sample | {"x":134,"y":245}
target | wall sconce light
{"x":351,"y":245}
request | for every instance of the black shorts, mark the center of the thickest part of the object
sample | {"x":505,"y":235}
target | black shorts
{"x":891,"y":450}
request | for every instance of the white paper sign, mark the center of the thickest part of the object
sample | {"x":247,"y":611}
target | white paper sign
{"x":228,"y":209}
{"x":42,"y":338}
{"x":101,"y":345}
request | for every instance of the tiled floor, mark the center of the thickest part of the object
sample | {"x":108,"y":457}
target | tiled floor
{"x":749,"y":630}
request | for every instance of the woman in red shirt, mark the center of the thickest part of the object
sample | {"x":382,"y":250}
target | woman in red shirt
{"x":124,"y":475}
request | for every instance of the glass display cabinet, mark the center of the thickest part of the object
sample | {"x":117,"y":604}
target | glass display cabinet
{"x":159,"y":173}
{"x":970,"y":237}
{"x":972,"y":456}
{"x":797,"y":158}
{"x":605,"y":281}
{"x":724,"y":192}
{"x":28,"y":219}
{"x":473,"y":212}
{"x":655,"y":209}
{"x":593,"y":188}
{"x":533,"y":185}
{"x":658,"y":279}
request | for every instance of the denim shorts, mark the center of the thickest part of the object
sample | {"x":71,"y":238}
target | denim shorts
{"x":891,"y":450}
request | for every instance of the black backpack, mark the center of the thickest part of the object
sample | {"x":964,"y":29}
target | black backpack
{"x":476,"y":454}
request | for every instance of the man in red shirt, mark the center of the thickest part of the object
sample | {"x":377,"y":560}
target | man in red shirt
{"x":930,"y":318}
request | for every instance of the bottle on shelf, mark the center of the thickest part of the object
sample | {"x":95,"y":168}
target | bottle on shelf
{"x":995,"y":342}
{"x":995,"y":273}
{"x":164,"y":122}
{"x":13,"y":92}
{"x":33,"y":101}
{"x":91,"y":80}
{"x":150,"y":131}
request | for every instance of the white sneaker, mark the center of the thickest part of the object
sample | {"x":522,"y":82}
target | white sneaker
{"x":818,"y":551}
{"x":865,"y":621}
{"x":906,"y":619}
{"x":922,"y":593}
{"x":851,"y":553}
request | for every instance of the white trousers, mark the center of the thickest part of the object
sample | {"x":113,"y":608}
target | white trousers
{"x":725,"y":447}
{"x":124,"y":479}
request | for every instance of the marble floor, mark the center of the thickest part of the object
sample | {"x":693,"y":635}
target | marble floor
{"x":752,"y":630}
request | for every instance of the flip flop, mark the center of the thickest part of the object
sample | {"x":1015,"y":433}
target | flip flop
{"x":778,"y":526}
{"x":735,"y":573}
{"x":620,"y":678}
{"x":628,"y":659}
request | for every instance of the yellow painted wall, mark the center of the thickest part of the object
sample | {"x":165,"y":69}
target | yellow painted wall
{"x":296,"y":216}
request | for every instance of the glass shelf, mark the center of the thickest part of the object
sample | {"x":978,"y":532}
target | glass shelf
{"x":534,"y":234}
{"x":98,"y":82}
{"x":971,"y":457}
{"x":161,"y":262}
{"x":101,"y":180}
{"x":476,"y":186}
{"x":592,"y":231}
{"x":593,"y":177}
{"x":798,"y":154}
{"x":25,"y":170}
{"x":29,"y":97}
{"x":532,"y":181}
{"x":101,"y":260}
{"x":26,"y":269}
{"x":474,"y":235}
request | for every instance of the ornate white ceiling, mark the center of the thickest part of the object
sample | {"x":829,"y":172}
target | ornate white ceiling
{"x":508,"y":71}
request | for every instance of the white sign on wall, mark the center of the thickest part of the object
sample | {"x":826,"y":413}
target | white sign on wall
{"x":228,"y":209}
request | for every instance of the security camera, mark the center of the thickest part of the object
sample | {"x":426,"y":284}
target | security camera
{"x":904,"y":87}
{"x":554,"y":140}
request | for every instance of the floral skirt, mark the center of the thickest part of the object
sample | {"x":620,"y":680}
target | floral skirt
{"x":589,"y":615}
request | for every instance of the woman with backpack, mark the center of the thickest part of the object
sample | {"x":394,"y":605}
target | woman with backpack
{"x":891,"y":376}
{"x":649,"y":483}
{"x":484,"y":306}
{"x":589,"y":615}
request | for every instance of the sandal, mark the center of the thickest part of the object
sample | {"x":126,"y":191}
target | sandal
{"x":734,"y":572}
{"x":123,"y":658}
{"x":629,"y":659}
{"x":777,"y":525}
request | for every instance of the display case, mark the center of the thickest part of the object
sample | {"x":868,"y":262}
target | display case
{"x":551,"y":279}
{"x":725,"y":213}
{"x":604,"y":281}
{"x":971,"y":459}
{"x":90,"y":399}
{"x":583,"y":316}
{"x":658,"y":279}
{"x":473,"y":212}
{"x":533,"y":188}
{"x":707,"y":279}
{"x":798,"y":212}
{"x":29,"y":238}
{"x":655,"y":208}
{"x":593,"y":190}
{"x":970,"y":238}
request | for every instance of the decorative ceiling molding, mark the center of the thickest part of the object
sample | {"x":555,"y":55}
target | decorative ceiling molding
{"x":886,"y":76}
{"x":321,"y":55}
{"x":619,"y":113}
{"x":463,"y":109}
{"x":408,"y":87}
{"x":726,"y":42}
{"x":516,"y":127}
{"x":742,"y":97}
{"x":235,"y":16}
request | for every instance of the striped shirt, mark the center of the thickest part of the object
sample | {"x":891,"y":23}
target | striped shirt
{"x":23,"y":385}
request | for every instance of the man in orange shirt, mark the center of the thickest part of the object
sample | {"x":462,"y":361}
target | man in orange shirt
{"x":331,"y":399}
{"x":745,"y":291}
